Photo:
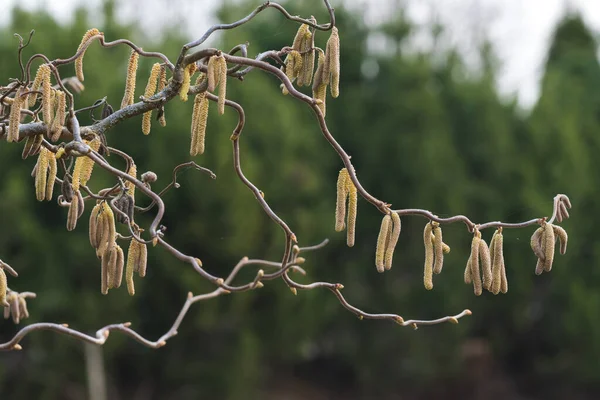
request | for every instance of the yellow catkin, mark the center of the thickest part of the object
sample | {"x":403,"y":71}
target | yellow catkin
{"x":107,"y":218}
{"x":549,"y":244}
{"x":133,"y":255}
{"x":222,"y":84}
{"x":212,"y":73}
{"x":382,"y":240}
{"x":73,"y":214}
{"x":35,"y":86}
{"x":84,"y":166}
{"x":143,"y":260}
{"x":105,"y":273}
{"x":94,"y":234}
{"x":475,"y":273}
{"x":438,"y":249}
{"x":503,"y":279}
{"x":59,"y":116}
{"x":111,"y":254}
{"x":352,"y":209}
{"x":46,"y":93}
{"x":14,"y":119}
{"x":162,"y":83}
{"x":319,"y":88}
{"x":119,"y":267}
{"x":486,"y":264}
{"x":129,"y":185}
{"x":428,"y":267}
{"x":393,"y":241}
{"x":293,"y":65}
{"x":468,"y":277}
{"x":150,"y":90}
{"x":41,"y":174}
{"x":3,"y":284}
{"x":185,"y":85}
{"x":497,"y":262}
{"x":342,"y":195}
{"x":321,"y":94}
{"x":129,"y":96}
{"x":301,"y":36}
{"x":83,"y":45}
{"x":304,"y":44}
{"x":333,"y":57}
{"x":199,"y":120}
{"x":562,"y":237}
{"x":536,"y":243}
{"x":52,"y":170}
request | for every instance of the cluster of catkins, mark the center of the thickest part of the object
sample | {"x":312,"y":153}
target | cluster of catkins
{"x":485,"y":267}
{"x":299,"y":64}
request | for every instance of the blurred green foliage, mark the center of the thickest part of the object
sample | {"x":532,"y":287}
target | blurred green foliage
{"x":423,"y":131}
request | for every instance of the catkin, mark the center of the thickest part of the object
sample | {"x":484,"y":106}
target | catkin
{"x":199,"y":119}
{"x":549,"y":243}
{"x":185,"y":85}
{"x":14,"y":118}
{"x":150,"y":90}
{"x":162,"y":83}
{"x":3,"y":284}
{"x":497,"y":261}
{"x":143,"y":260}
{"x":52,"y":170}
{"x":41,"y":174}
{"x":132,"y":258}
{"x":438,"y":248}
{"x":108,"y":238}
{"x":111,"y":254}
{"x":95,"y":235}
{"x":72,"y":215}
{"x":128,"y":97}
{"x":536,"y":243}
{"x":35,"y":86}
{"x":468,"y":276}
{"x":222,"y":71}
{"x":118,"y":278}
{"x":352,"y":209}
{"x":83,"y":45}
{"x":382,"y":240}
{"x":129,"y":185}
{"x":475,"y":272}
{"x":319,"y":88}
{"x":428,"y":267}
{"x":562,"y":237}
{"x":486,"y":264}
{"x":59,"y":116}
{"x":392,"y":241}
{"x":104,"y":273}
{"x":47,"y":92}
{"x":332,"y":52}
{"x":342,"y":195}
{"x":308,"y":54}
{"x":84,"y":166}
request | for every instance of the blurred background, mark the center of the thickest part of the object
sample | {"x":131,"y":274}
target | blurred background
{"x":481,"y":108}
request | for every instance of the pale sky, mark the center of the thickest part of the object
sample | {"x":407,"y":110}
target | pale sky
{"x":519,"y":29}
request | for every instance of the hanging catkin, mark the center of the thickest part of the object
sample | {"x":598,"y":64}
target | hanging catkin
{"x":132,"y":66}
{"x":150,"y":90}
{"x":83,"y":45}
{"x":428,"y":267}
